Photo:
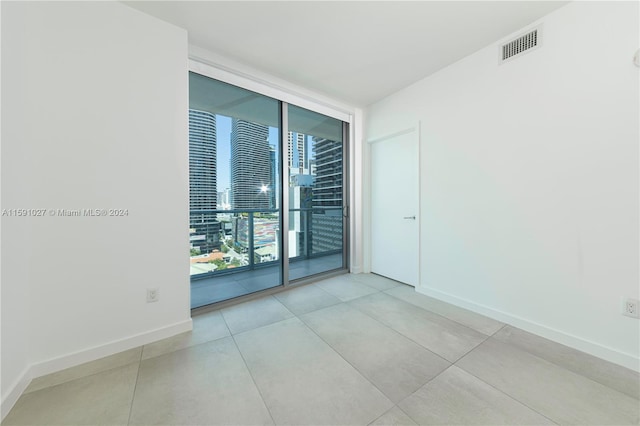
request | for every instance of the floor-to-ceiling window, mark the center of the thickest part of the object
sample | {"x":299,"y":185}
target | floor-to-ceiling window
{"x":251,"y":158}
{"x":316,"y":192}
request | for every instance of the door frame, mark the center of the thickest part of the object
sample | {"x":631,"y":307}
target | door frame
{"x":414,"y":128}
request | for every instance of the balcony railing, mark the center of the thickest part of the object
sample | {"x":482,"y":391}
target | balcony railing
{"x":230,"y":241}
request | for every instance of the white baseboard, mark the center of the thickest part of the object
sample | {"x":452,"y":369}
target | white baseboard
{"x":91,"y":354}
{"x":86,"y":355}
{"x":592,"y":348}
{"x":15,"y":390}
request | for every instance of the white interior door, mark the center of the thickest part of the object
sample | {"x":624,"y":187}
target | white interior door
{"x":395,"y":216}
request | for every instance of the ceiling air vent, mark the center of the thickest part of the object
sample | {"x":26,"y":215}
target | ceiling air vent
{"x":523,"y":44}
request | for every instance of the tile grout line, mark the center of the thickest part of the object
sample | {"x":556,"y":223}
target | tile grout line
{"x":233,"y":337}
{"x":314,"y":309}
{"x":263,"y":325}
{"x":175,"y":351}
{"x":488,"y":384}
{"x":440,"y":315}
{"x":500,"y":390}
{"x":407,"y":414}
{"x":352,"y":366}
{"x":135,"y":386}
{"x":394,"y":331}
{"x":459,"y":358}
{"x":556,"y":363}
{"x":95,"y":373}
{"x":253,"y":380}
{"x":383,"y":414}
{"x":352,"y":281}
{"x":399,"y":333}
{"x":553,"y":362}
{"x":500,"y":329}
{"x":367,"y":285}
{"x":447,"y":318}
{"x":395,"y":283}
{"x":225,"y":322}
{"x":510,"y":397}
{"x":417,"y":390}
{"x":324,"y":291}
{"x":473,"y":348}
{"x":486,"y":336}
{"x":504,"y":325}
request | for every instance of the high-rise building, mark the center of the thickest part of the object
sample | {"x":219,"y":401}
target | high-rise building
{"x":202,"y":181}
{"x":250,"y":166}
{"x":297,"y":151}
{"x":300,"y":203}
{"x":327,"y":232}
{"x":273,"y":176}
{"x":224,"y":199}
{"x":202,"y":160}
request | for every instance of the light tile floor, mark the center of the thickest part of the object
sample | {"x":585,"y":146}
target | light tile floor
{"x":353,"y":350}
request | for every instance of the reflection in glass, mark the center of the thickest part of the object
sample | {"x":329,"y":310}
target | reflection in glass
{"x":235,"y":182}
{"x":233,"y":191}
{"x":315,"y":148}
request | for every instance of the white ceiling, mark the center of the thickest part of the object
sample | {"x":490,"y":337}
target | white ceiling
{"x":358,"y":51}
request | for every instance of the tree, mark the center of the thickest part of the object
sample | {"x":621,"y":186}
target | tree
{"x":195,"y":252}
{"x":220,"y":264}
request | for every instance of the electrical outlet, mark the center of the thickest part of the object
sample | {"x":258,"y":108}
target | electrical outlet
{"x":630,"y":307}
{"x":153,"y":295}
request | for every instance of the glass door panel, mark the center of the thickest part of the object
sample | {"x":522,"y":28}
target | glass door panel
{"x":315,"y":177}
{"x":234,"y":188}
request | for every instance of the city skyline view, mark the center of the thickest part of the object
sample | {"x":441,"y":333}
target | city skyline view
{"x":214,"y":133}
{"x":237,"y":228}
{"x":234,"y":168}
{"x":223,"y":138}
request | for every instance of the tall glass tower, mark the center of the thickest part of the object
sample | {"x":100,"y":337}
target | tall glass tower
{"x":250,"y":166}
{"x":202,"y":181}
{"x":297,"y":151}
{"x":327,"y":192}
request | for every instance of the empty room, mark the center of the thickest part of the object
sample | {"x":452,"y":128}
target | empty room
{"x":320,"y":213}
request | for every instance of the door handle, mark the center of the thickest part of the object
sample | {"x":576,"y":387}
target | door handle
{"x":410,"y":217}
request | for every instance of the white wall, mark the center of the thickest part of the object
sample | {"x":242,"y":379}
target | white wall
{"x":94,"y":114}
{"x":530,"y":179}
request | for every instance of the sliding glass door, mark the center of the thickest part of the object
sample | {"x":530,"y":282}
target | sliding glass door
{"x":244,"y":167}
{"x":234,"y":155}
{"x":315,"y":177}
